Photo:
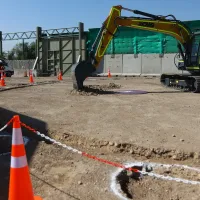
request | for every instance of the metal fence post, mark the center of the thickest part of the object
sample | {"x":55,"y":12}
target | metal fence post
{"x":38,"y":37}
{"x":1,"y":45}
{"x":81,"y":31}
{"x":23,"y":48}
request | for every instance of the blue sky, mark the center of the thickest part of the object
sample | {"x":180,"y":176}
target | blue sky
{"x":25,"y":15}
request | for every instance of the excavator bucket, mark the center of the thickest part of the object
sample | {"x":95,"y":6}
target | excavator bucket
{"x":80,"y":72}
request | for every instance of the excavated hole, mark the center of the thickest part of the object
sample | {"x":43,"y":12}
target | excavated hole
{"x":124,"y":177}
{"x":134,"y":186}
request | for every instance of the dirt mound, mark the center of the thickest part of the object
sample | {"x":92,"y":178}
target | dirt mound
{"x":96,"y":90}
{"x":111,"y":86}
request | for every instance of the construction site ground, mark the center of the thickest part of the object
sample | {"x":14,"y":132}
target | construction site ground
{"x":161,"y":126}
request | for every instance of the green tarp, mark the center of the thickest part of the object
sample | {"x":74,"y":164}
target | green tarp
{"x":131,"y":41}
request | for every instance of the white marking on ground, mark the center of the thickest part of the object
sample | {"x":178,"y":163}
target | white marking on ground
{"x":116,"y":187}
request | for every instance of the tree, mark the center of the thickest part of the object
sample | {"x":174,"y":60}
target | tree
{"x":31,"y":51}
{"x":3,"y":56}
{"x":17,"y":51}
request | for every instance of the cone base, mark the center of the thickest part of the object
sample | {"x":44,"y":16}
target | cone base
{"x":37,"y":198}
{"x":2,"y":83}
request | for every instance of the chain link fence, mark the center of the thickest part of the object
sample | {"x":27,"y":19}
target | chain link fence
{"x":20,"y":66}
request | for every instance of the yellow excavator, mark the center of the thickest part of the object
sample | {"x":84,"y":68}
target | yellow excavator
{"x":188,"y":45}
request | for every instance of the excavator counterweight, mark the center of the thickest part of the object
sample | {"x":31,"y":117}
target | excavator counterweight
{"x":189,"y":47}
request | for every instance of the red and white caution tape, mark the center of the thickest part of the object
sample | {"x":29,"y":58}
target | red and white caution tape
{"x":169,"y":178}
{"x":1,"y":129}
{"x":125,"y":167}
{"x":4,"y":127}
{"x":128,"y":167}
{"x":80,"y":152}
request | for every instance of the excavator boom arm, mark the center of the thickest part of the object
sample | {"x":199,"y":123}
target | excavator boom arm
{"x":155,"y":23}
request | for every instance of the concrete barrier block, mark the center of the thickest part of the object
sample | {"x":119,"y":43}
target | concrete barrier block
{"x":151,"y":65}
{"x":132,"y":64}
{"x":168,"y":65}
{"x":114,"y":63}
{"x":19,"y":72}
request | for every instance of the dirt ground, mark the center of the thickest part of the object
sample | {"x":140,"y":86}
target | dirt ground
{"x":161,"y":126}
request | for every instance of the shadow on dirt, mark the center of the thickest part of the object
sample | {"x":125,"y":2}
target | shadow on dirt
{"x":13,"y":86}
{"x":90,"y":91}
{"x":5,"y":116}
{"x":52,"y":186}
{"x":95,"y":90}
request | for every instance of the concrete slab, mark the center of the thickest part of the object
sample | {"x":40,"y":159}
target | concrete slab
{"x":114,"y":63}
{"x":132,"y":64}
{"x":151,"y":64}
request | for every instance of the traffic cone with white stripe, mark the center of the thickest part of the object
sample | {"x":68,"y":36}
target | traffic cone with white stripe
{"x":2,"y":81}
{"x":60,"y":76}
{"x":31,"y":77}
{"x":20,"y":186}
{"x":109,"y":74}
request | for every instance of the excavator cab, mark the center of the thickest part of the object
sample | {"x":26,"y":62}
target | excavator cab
{"x":190,"y":61}
{"x":195,"y":52}
{"x":193,"y":59}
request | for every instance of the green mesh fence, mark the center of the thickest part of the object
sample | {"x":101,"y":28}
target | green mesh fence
{"x":133,"y":41}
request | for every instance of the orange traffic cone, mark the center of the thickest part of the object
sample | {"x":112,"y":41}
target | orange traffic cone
{"x":31,"y":78}
{"x":20,"y":186}
{"x":2,"y":81}
{"x":109,"y":74}
{"x":60,"y":76}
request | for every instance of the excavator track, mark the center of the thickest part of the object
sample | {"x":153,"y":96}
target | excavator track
{"x":184,"y":83}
